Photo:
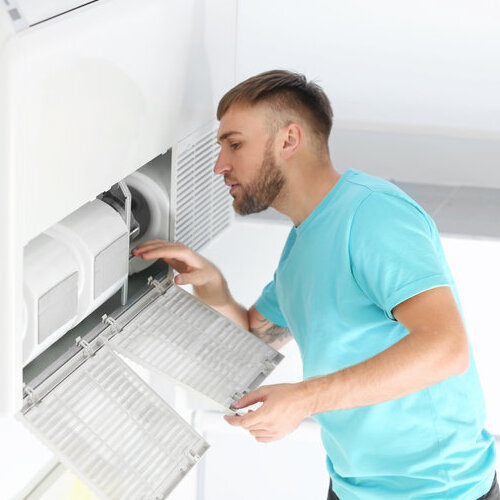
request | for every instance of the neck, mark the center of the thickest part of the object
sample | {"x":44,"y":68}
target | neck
{"x":306,"y":186}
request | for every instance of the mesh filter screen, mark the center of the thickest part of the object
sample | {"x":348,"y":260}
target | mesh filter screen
{"x":188,"y":341}
{"x":115,"y":433}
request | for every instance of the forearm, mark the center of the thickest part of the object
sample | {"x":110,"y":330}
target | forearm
{"x":419,"y":360}
{"x":235,"y":312}
{"x":435,"y":348}
{"x":208,"y":282}
{"x":216,"y":294}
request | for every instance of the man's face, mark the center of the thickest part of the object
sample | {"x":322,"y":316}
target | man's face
{"x":247,"y":159}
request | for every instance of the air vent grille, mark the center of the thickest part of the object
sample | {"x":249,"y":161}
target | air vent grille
{"x":201,"y":205}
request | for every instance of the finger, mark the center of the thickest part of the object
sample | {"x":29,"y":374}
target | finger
{"x":149,"y":244}
{"x":191,"y":278}
{"x":264,"y":439}
{"x":261,"y":433}
{"x":234,"y":420}
{"x":267,"y":439}
{"x":168,"y":253}
{"x":248,"y":421}
{"x":251,"y":398}
{"x":155,"y":244}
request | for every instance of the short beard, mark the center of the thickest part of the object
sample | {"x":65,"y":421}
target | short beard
{"x":261,"y":192}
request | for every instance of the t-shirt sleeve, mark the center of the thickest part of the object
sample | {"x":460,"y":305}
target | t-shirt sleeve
{"x":395,"y":251}
{"x":267,"y":304}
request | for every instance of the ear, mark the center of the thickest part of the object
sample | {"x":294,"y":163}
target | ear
{"x":292,"y":136}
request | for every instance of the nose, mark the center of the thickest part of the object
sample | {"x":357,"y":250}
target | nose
{"x":222,"y":165}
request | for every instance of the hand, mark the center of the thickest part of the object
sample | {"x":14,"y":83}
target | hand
{"x":284,"y":406}
{"x":208,"y":282}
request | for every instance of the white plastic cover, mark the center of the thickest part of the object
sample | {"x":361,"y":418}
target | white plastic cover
{"x":37,"y":11}
{"x":186,"y":340}
{"x":113,"y":431}
{"x":50,"y":280}
{"x":57,"y":307}
{"x":110,"y":265}
{"x":99,"y":239}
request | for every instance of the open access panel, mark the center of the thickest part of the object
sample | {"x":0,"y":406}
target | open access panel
{"x":108,"y":426}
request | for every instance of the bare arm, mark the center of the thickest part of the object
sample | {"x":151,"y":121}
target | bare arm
{"x":435,"y":348}
{"x":208,"y":282}
{"x":211,"y":288}
{"x":274,"y":335}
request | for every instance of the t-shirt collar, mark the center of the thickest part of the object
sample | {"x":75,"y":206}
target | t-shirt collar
{"x":322,"y":204}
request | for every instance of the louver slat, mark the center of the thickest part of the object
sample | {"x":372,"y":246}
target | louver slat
{"x":199,"y":197}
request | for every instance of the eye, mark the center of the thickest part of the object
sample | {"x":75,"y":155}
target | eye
{"x":234,"y":145}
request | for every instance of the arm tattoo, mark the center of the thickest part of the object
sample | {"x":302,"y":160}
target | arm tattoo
{"x":269,"y":332}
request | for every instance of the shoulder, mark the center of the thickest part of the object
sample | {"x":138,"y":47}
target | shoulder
{"x":381,"y":204}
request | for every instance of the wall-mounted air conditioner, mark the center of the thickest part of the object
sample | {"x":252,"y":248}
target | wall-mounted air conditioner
{"x":108,"y":139}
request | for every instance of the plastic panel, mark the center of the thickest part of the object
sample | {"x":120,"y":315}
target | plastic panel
{"x":114,"y":432}
{"x":184,"y":339}
{"x":37,"y":11}
{"x":110,"y":265}
{"x":57,"y":306}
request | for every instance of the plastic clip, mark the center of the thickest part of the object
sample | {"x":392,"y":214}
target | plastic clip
{"x":237,"y":395}
{"x":269,"y":365}
{"x":159,"y":287}
{"x":30,"y":395}
{"x":193,"y":456}
{"x":85,"y":346}
{"x":115,"y":326}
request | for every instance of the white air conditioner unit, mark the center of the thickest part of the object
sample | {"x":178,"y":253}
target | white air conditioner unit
{"x":107,"y":139}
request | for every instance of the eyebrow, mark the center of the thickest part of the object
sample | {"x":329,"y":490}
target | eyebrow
{"x":227,"y":134}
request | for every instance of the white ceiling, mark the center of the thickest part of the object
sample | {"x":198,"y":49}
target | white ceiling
{"x":414,"y":85}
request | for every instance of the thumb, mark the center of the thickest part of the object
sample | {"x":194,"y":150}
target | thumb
{"x":191,"y":278}
{"x":251,"y":398}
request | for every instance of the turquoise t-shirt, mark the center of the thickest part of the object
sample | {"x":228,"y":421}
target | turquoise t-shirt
{"x":366,"y":248}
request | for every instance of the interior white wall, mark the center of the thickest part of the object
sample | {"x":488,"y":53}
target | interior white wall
{"x":474,"y":264}
{"x":414,"y":86}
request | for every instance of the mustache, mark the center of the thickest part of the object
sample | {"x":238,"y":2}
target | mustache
{"x":227,"y":180}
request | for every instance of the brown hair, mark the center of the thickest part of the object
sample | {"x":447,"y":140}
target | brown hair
{"x":284,"y":91}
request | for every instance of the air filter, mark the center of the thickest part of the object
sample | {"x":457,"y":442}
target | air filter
{"x":111,"y":429}
{"x":196,"y":346}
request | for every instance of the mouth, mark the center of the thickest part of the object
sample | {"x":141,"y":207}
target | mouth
{"x":232,"y":186}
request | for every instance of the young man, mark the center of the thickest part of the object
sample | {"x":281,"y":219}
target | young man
{"x":364,"y":288}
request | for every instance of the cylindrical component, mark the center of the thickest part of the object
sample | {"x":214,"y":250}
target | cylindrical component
{"x":150,"y":208}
